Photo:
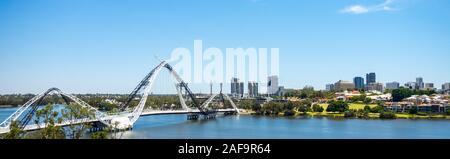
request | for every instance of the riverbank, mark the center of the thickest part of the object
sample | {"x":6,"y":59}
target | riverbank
{"x":341,"y":115}
{"x":7,"y":106}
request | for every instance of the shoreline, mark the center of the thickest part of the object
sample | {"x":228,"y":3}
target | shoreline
{"x":372,"y":116}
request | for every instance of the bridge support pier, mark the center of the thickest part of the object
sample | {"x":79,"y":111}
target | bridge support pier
{"x":209,"y":116}
{"x":230,"y":113}
{"x":192,"y":117}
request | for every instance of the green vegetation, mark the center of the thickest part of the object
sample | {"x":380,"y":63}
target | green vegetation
{"x":402,"y":93}
{"x":15,"y":132}
{"x":387,"y":115}
{"x":50,"y":118}
{"x":99,"y":135}
{"x":317,"y":108}
{"x":337,"y":106}
{"x":349,"y":114}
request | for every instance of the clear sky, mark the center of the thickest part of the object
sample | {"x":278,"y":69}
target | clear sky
{"x":108,"y":46}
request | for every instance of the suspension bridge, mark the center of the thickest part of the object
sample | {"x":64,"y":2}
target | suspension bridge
{"x":129,"y":113}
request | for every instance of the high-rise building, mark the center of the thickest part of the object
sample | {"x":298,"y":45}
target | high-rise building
{"x":429,"y":86}
{"x":343,"y":85}
{"x":272,"y":85}
{"x":234,"y":86}
{"x":419,"y":83}
{"x":240,"y":93}
{"x":237,"y":88}
{"x":252,"y":89}
{"x":392,"y":85}
{"x":329,"y":87}
{"x":359,"y":82}
{"x":375,"y":87}
{"x":371,"y":78}
{"x":446,"y":87}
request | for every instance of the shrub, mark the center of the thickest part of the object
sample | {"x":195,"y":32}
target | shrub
{"x":289,"y":113}
{"x":337,"y":106}
{"x":317,"y":108}
{"x":413,"y":110}
{"x":349,"y":114}
{"x":387,"y":115}
{"x":377,"y":109}
{"x":367,"y":108}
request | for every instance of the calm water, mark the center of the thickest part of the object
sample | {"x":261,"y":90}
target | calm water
{"x":254,"y":127}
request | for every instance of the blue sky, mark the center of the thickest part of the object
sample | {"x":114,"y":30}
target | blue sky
{"x":107,"y":46}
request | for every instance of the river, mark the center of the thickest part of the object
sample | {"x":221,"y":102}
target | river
{"x":258,"y":127}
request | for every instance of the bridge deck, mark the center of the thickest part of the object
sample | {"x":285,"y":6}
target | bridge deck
{"x":146,"y":113}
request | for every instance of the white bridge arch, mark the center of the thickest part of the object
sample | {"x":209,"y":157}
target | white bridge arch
{"x":126,"y":118}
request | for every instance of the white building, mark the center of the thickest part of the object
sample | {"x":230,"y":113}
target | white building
{"x":429,"y":86}
{"x":392,"y":85}
{"x":419,"y":83}
{"x":411,"y":85}
{"x":272,"y":85}
{"x":446,"y":87}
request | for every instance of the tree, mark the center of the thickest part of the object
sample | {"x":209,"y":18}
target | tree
{"x":50,"y":119}
{"x":387,"y":115}
{"x":272,"y":108}
{"x":14,"y":131}
{"x":349,"y":114}
{"x":289,"y":113}
{"x":99,"y":135}
{"x":256,"y":107}
{"x":367,"y":100}
{"x":246,"y":104}
{"x":364,"y":114}
{"x":304,"y":109}
{"x":413,"y":110}
{"x":317,"y":108}
{"x":74,"y":112}
{"x":337,"y":106}
{"x":377,"y":109}
{"x":401,"y":93}
{"x":367,"y":108}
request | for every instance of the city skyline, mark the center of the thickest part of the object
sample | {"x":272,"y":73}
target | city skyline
{"x":98,"y":47}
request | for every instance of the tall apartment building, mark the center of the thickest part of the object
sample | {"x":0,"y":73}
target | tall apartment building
{"x":237,"y":88}
{"x":371,"y":78}
{"x":359,"y":82}
{"x":272,"y":85}
{"x":252,"y":89}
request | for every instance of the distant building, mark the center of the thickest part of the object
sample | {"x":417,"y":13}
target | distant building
{"x":343,"y":85}
{"x":392,"y":85}
{"x":329,"y":87}
{"x":429,"y":86}
{"x":446,"y":87}
{"x":375,"y":87}
{"x":272,"y":85}
{"x":411,"y":85}
{"x":371,"y":78}
{"x":237,"y":88}
{"x":234,"y":83}
{"x":419,"y":83}
{"x":252,"y":89}
{"x":359,"y":82}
